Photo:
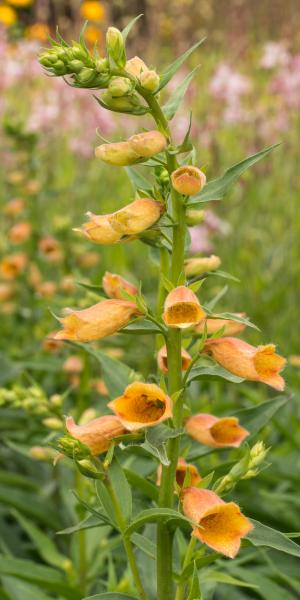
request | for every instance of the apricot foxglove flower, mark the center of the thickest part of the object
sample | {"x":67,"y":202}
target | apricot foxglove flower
{"x":221,"y":525}
{"x":13,"y":264}
{"x":98,"y":433}
{"x":216,"y":432}
{"x":181,"y":470}
{"x":230,"y":327}
{"x":114,"y":285}
{"x":135,"y":66}
{"x":142,"y":405}
{"x":254,"y":363}
{"x":141,"y":145}
{"x":99,"y":230}
{"x":199,"y":265}
{"x":136,"y":216}
{"x":162,"y":359}
{"x":188,"y":180}
{"x":148,"y":143}
{"x":98,"y":321}
{"x":20,"y":232}
{"x":182,"y":308}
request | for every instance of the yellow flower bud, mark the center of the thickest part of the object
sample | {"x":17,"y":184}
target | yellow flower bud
{"x":194,"y":216}
{"x":99,"y":230}
{"x":115,"y":46}
{"x":119,"y":154}
{"x":119,"y":86}
{"x":135,"y":66}
{"x":52,"y":423}
{"x":149,"y":80}
{"x":199,"y":265}
{"x":136,"y":217}
{"x":188,"y":180}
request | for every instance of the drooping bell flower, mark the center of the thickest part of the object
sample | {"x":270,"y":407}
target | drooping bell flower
{"x":181,"y":471}
{"x":99,"y":230}
{"x":230,"y":327}
{"x":182,"y":308}
{"x":221,"y":525}
{"x":98,"y":321}
{"x":162,"y":359}
{"x":136,"y":217}
{"x":259,"y":363}
{"x":142,"y":405}
{"x":98,"y":433}
{"x":216,"y":432}
{"x":188,"y":180}
{"x":114,"y":285}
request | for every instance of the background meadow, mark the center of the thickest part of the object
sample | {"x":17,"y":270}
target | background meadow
{"x":245,"y":96}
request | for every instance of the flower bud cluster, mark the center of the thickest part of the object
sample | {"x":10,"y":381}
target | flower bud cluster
{"x":32,"y":400}
{"x":87,"y":71}
{"x":246,"y":468}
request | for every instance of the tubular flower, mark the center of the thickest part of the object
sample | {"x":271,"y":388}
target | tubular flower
{"x":182,"y":308}
{"x":99,"y":230}
{"x":98,"y":433}
{"x":162,"y":359}
{"x":114,"y":285}
{"x":136,"y":216}
{"x":181,"y":470}
{"x":98,"y":321}
{"x":134,"y":149}
{"x":230,"y":327}
{"x":20,"y":232}
{"x":199,"y":265}
{"x":142,"y":405}
{"x":254,"y":363}
{"x":214,"y":432}
{"x":221,"y":525}
{"x":148,"y":143}
{"x":188,"y":180}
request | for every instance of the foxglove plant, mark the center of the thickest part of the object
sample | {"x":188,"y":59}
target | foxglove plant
{"x":191,"y":339}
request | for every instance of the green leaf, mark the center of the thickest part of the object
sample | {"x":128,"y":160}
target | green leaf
{"x":141,"y":327}
{"x":200,"y":562}
{"x":138,"y":181}
{"x":170,"y":108}
{"x":232,"y":317}
{"x":9,"y":370}
{"x":216,"y":189}
{"x":173,"y":68}
{"x":121,"y":488}
{"x":262,"y":535}
{"x":101,"y":517}
{"x":48,"y":578}
{"x":129,"y":26}
{"x":30,"y":504}
{"x":116,"y":374}
{"x":105,"y":501}
{"x":87,"y":523}
{"x":255,"y":418}
{"x":195,"y":591}
{"x":111,"y":596}
{"x":152,"y":515}
{"x":141,"y":542}
{"x":213,"y":372}
{"x":155,"y":440}
{"x":147,"y":487}
{"x":225,"y":578}
{"x":267,"y":588}
{"x":43,"y":543}
{"x":19,"y":590}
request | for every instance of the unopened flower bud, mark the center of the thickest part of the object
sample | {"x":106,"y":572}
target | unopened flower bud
{"x":41,"y":453}
{"x":119,"y":86}
{"x":199,"y":265}
{"x":188,"y":180}
{"x":194,"y":216}
{"x":135,"y":66}
{"x":76,"y":65}
{"x":56,"y":400}
{"x":72,"y":447}
{"x":128,"y":104}
{"x":136,"y":216}
{"x":149,"y":143}
{"x":86,"y":75}
{"x":119,"y":154}
{"x":115,"y":46}
{"x":258,"y":453}
{"x":150,"y":80}
{"x":114,"y":285}
{"x":102,"y":65}
{"x":52,"y":423}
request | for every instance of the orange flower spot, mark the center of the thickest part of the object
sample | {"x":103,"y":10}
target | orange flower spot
{"x":162,"y":359}
{"x":221,"y":524}
{"x":182,"y":308}
{"x":142,"y":405}
{"x":242,"y":359}
{"x":216,"y":432}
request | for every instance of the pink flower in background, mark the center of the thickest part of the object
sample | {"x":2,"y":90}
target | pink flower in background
{"x":274,"y":55}
{"x":228,"y":84}
{"x":200,"y":235}
{"x":286,"y":83}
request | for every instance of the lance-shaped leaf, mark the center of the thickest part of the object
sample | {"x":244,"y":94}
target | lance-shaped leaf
{"x":170,"y":108}
{"x":129,"y":26}
{"x":195,"y":591}
{"x":212,"y":372}
{"x":173,"y":68}
{"x":138,"y":181}
{"x":255,"y":418}
{"x":216,"y":189}
{"x":155,"y":441}
{"x":231,"y":317}
{"x":111,"y":596}
{"x":121,"y":488}
{"x":262,"y":535}
{"x":153,"y":515}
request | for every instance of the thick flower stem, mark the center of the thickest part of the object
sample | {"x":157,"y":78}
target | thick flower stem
{"x":126,"y":541}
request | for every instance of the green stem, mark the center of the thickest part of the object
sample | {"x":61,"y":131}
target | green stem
{"x":82,"y":567}
{"x":161,"y":294}
{"x":166,"y":494}
{"x":187,"y":559}
{"x":126,"y":541}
